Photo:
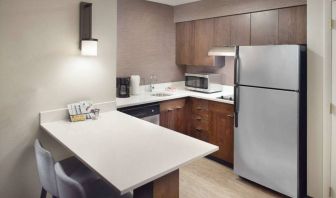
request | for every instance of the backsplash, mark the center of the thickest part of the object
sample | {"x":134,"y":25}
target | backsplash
{"x":146,"y":41}
{"x":227,"y":71}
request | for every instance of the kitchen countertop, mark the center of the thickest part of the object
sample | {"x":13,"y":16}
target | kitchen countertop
{"x":126,"y":151}
{"x":178,"y":91}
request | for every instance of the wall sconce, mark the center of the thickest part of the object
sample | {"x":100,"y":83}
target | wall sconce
{"x":88,"y":45}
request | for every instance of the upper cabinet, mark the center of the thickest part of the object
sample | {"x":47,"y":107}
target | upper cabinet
{"x":293,"y":25}
{"x":194,"y":39}
{"x":264,"y":28}
{"x":222,"y":34}
{"x":185,"y":41}
{"x":204,"y":36}
{"x":232,"y":30}
{"x":240,"y":29}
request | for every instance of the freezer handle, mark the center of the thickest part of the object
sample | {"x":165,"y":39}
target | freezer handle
{"x":236,"y":105}
{"x":236,"y":67}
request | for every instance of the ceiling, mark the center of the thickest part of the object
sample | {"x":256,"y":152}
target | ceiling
{"x":173,"y":2}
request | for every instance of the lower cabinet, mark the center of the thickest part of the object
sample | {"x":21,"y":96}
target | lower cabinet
{"x":173,"y":115}
{"x":221,"y":128}
{"x":202,"y":119}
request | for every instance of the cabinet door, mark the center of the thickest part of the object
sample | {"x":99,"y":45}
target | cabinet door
{"x":221,"y":134}
{"x":172,"y":115}
{"x":264,"y":28}
{"x":240,"y":29}
{"x":222,"y":32}
{"x":221,"y":130}
{"x":179,"y":117}
{"x":184,"y":43}
{"x":204,"y":34}
{"x":293,"y":25}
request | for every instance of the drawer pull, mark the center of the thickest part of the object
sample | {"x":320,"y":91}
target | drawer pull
{"x":199,"y":130}
{"x":179,"y":108}
{"x":198,"y":108}
{"x":230,"y":116}
{"x":170,"y":109}
{"x":198,"y":118}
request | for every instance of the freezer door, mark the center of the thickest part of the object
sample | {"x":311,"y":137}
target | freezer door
{"x":266,"y":140}
{"x":269,"y":66}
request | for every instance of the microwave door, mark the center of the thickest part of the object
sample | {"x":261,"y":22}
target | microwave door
{"x":197,"y":82}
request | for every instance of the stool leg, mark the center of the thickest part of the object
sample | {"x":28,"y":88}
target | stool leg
{"x":43,"y":193}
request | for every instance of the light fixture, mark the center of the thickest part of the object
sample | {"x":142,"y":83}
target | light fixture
{"x":88,"y":45}
{"x":222,"y":51}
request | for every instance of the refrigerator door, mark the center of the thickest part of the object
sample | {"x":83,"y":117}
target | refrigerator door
{"x":266,"y":140}
{"x":269,"y":66}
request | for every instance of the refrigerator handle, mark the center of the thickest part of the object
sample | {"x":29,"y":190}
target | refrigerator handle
{"x":236,"y":104}
{"x":236,"y":67}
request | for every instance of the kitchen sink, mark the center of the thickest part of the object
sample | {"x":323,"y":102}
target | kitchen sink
{"x":161,"y":94}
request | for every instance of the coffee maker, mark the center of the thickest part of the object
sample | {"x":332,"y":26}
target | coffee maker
{"x":123,"y":87}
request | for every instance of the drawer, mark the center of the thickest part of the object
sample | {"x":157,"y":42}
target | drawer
{"x":221,"y":107}
{"x":197,"y":120}
{"x":199,"y":133}
{"x":172,"y":105}
{"x":199,"y":106}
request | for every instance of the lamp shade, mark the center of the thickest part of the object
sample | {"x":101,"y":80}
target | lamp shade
{"x":89,"y":47}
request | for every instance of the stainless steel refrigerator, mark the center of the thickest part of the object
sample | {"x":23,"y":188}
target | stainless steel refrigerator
{"x":270,"y":117}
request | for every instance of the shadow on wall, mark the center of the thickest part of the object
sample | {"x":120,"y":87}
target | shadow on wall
{"x":227,"y":71}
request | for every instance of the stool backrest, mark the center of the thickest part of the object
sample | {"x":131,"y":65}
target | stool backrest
{"x":46,"y":170}
{"x":67,"y":186}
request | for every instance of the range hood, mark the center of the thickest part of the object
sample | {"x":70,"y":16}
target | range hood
{"x":222,"y":51}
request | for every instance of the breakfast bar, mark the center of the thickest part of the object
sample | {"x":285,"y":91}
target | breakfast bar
{"x":129,"y":153}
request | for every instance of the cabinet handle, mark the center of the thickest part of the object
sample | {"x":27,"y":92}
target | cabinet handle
{"x":199,"y":108}
{"x":230,"y":116}
{"x":170,"y":109}
{"x":199,"y":118}
{"x":199,"y":130}
{"x":179,"y":108}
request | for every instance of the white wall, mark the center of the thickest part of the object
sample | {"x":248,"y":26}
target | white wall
{"x":319,"y":97}
{"x":40,"y":69}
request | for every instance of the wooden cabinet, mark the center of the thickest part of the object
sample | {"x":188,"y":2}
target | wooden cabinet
{"x":185,"y":43}
{"x":264,"y":28}
{"x":173,"y":115}
{"x":232,"y":30}
{"x":240,"y":30}
{"x":199,"y":119}
{"x":204,"y":35}
{"x":293,"y":25}
{"x":281,"y":26}
{"x":222,"y":31}
{"x":202,"y":119}
{"x":213,"y":122}
{"x":221,"y":130}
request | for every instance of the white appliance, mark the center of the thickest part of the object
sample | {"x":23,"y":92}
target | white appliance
{"x":207,"y":83}
{"x":135,"y":85}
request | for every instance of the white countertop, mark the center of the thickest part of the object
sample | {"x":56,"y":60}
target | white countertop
{"x":126,"y":151}
{"x":179,"y":91}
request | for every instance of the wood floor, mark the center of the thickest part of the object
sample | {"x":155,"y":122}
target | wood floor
{"x":208,"y":179}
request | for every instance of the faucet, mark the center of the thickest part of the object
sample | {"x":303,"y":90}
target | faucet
{"x":151,"y":82}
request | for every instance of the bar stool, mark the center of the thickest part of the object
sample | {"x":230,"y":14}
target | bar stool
{"x":70,"y":188}
{"x":47,"y":175}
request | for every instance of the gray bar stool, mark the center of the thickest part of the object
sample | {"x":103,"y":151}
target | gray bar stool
{"x":70,"y":188}
{"x":47,"y":175}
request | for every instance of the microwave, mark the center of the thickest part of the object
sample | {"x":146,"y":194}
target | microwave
{"x":207,"y":83}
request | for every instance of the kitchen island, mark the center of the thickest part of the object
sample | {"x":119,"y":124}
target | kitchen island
{"x":129,"y":153}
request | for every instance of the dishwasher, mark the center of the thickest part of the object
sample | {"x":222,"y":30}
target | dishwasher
{"x":147,"y":112}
